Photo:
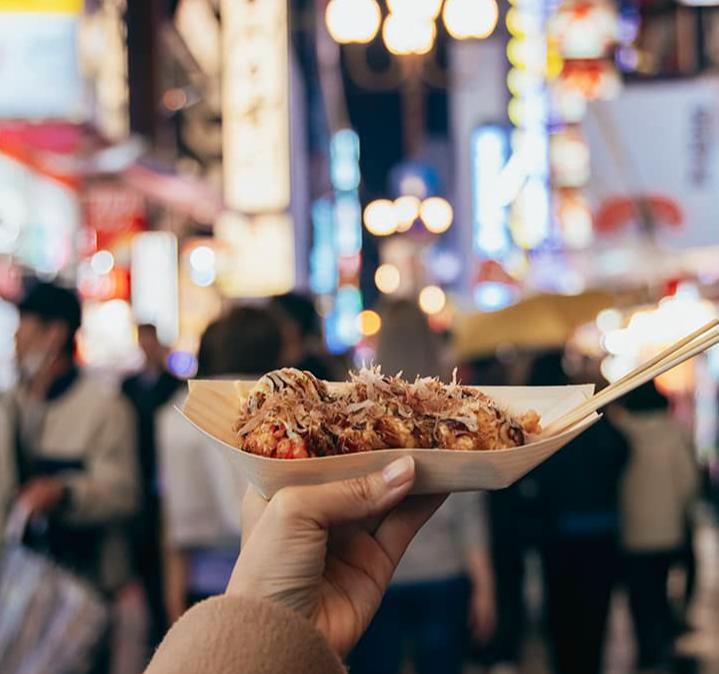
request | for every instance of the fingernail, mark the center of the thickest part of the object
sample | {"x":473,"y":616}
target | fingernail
{"x":398,"y":472}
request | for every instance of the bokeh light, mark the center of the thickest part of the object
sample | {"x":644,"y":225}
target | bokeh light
{"x":437,"y":214}
{"x":369,"y":322}
{"x":404,"y":36}
{"x":576,"y":222}
{"x":417,"y":9}
{"x":432,"y":299}
{"x":102,"y":262}
{"x":470,"y":19}
{"x":380,"y":218}
{"x":387,"y":278}
{"x":202,"y":259}
{"x":353,"y":20}
{"x":609,"y":319}
{"x":406,"y":210}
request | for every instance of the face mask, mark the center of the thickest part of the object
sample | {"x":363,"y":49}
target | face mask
{"x":30,"y":365}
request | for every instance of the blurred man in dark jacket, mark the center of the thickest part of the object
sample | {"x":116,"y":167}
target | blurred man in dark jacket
{"x":579,"y":499}
{"x":148,"y":391}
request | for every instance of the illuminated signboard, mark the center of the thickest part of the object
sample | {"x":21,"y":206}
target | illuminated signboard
{"x":259,"y":255}
{"x":39,"y":69}
{"x":255,"y":109}
{"x":154,"y":282}
{"x":490,"y":151}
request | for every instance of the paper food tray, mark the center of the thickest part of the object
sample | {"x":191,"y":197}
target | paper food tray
{"x":212,"y":406}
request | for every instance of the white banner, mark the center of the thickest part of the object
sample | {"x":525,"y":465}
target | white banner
{"x":657,"y":144}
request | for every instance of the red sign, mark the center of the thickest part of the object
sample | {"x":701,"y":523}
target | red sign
{"x":114,"y":212}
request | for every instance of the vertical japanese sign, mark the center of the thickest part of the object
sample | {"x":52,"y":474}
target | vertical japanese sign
{"x":255,"y":111}
{"x":259,"y":235}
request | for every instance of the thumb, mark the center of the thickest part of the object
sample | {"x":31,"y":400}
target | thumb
{"x":357,"y":498}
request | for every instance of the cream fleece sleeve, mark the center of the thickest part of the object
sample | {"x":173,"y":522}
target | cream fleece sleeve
{"x":109,"y":487}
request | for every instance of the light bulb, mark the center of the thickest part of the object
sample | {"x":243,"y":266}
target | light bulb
{"x":416,"y":9}
{"x":352,"y":20}
{"x":380,"y":218}
{"x":406,"y":210}
{"x":467,"y":19}
{"x":387,"y":278}
{"x":202,"y":259}
{"x":102,"y":262}
{"x":369,"y":322}
{"x":436,"y":214}
{"x":406,"y":35}
{"x":432,"y":299}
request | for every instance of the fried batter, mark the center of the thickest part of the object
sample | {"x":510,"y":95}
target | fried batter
{"x":292,"y":414}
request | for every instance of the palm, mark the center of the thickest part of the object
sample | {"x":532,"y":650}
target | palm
{"x":333,"y":572}
{"x":357,"y":571}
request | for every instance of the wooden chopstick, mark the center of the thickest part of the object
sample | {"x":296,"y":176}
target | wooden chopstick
{"x":683,"y":350}
{"x":666,"y":352}
{"x":638,"y":377}
{"x":672,"y":351}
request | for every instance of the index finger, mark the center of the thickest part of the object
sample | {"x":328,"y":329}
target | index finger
{"x":401,"y":525}
{"x":253,"y":505}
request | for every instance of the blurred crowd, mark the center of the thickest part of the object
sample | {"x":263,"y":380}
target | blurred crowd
{"x":142,"y":505}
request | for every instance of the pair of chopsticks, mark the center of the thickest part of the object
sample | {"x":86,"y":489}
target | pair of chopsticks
{"x":692,"y":345}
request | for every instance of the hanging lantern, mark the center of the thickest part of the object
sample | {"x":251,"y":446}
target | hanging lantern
{"x":575,"y":219}
{"x":585,"y":29}
{"x":569,"y":159}
{"x":594,"y":80}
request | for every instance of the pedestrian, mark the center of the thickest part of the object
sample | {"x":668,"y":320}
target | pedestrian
{"x":147,"y":391}
{"x":445,"y":583}
{"x":201,"y":498}
{"x":302,"y":335}
{"x":657,"y":490}
{"x":578,"y":493}
{"x":67,"y":448}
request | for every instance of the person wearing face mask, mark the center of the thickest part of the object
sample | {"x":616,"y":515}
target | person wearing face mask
{"x":67,"y":445}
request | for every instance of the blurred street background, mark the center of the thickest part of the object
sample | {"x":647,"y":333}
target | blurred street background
{"x":526,"y":190}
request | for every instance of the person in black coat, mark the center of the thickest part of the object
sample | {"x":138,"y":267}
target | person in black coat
{"x":148,"y":391}
{"x":579,"y":501}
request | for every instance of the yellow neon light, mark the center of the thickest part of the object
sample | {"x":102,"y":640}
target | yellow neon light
{"x":52,"y":6}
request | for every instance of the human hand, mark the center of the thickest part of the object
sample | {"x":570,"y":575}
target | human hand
{"x":328,"y":551}
{"x":41,"y":495}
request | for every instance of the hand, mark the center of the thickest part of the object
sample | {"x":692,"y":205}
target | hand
{"x":329,"y":551}
{"x":41,"y":495}
{"x":482,"y":615}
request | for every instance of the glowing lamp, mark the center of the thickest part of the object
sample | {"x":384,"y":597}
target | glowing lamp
{"x":569,"y":159}
{"x":575,"y":220}
{"x":403,"y":35}
{"x":436,"y":214}
{"x":369,"y":322}
{"x":387,"y":278}
{"x":352,"y":20}
{"x":432,"y":299}
{"x":102,"y":262}
{"x":380,"y":218}
{"x":470,"y":19}
{"x":406,"y":212}
{"x":417,"y":9}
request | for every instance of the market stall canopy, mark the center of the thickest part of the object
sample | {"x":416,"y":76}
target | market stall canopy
{"x":540,"y":322}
